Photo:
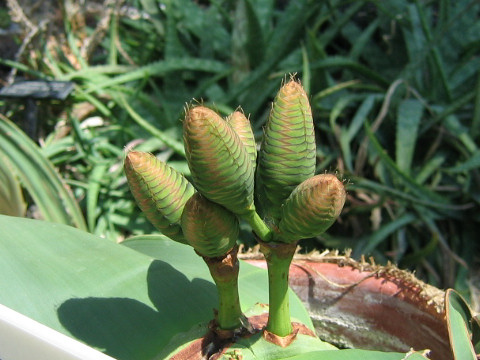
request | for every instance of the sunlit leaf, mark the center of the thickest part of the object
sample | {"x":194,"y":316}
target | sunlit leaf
{"x":459,"y":320}
{"x":124,"y":303}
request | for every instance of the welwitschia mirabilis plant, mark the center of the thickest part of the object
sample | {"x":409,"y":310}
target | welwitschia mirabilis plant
{"x":293,"y":203}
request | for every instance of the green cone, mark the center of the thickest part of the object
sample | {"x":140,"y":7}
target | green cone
{"x":311,"y":208}
{"x":160,"y":191}
{"x":241,"y":124}
{"x":220,"y":165}
{"x":288,"y":152}
{"x":211,"y":229}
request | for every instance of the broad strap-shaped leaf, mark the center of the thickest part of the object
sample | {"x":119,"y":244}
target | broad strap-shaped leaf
{"x":160,"y":191}
{"x":288,"y":152}
{"x":312,"y":208}
{"x":218,"y":161}
{"x":211,"y":229}
{"x":241,"y":124}
{"x":52,"y":196}
{"x":460,"y":326}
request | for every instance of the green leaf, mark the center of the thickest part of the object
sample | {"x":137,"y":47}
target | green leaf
{"x":408,"y":120}
{"x":459,"y":320}
{"x":124,"y":303}
{"x":356,"y":67}
{"x":48,"y":190}
{"x":161,"y":68}
{"x":420,"y":191}
{"x":374,"y":239}
{"x":472,"y":163}
{"x":11,"y":198}
{"x":357,"y":354}
{"x":247,"y":40}
{"x":356,"y":124}
{"x":94,"y":182}
{"x":174,"y":144}
{"x":256,"y":347}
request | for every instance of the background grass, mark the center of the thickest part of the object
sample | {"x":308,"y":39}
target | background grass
{"x":394,"y":88}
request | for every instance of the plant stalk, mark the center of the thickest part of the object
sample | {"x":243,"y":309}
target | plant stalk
{"x":224,"y":271}
{"x":279,"y":257}
{"x":258,"y":226}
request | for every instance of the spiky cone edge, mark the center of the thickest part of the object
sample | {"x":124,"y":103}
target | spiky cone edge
{"x":288,"y":151}
{"x":241,"y":124}
{"x":311,"y":208}
{"x":218,"y":161}
{"x":160,"y":191}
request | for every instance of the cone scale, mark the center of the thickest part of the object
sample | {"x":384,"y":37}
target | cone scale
{"x":288,"y":151}
{"x":160,"y":191}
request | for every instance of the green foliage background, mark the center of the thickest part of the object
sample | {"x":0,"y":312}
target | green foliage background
{"x":394,"y":88}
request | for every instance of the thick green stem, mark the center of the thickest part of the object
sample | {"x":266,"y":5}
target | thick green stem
{"x":229,"y":312}
{"x":258,"y":226}
{"x":278,"y":257}
{"x":224,"y":271}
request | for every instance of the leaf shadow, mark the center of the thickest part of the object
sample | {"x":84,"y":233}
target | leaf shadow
{"x":127,"y":328}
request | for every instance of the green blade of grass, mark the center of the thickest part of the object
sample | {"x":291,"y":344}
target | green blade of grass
{"x":408,"y":120}
{"x":94,"y":182}
{"x":437,"y":57}
{"x":11,"y":199}
{"x":373,"y":240}
{"x":360,"y":183}
{"x":160,"y":68}
{"x":168,"y":140}
{"x":429,"y":168}
{"x":420,"y":191}
{"x":24,"y":68}
{"x":347,"y":63}
{"x":282,"y":38}
{"x":476,"y":112}
{"x":472,"y":163}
